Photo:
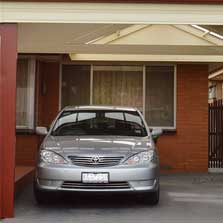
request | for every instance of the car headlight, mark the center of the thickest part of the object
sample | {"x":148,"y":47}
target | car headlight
{"x":51,"y":157}
{"x":142,"y":158}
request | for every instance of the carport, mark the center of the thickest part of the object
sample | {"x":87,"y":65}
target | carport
{"x":50,"y":36}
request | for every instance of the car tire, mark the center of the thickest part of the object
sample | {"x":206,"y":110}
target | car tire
{"x":152,"y":198}
{"x":41,"y":197}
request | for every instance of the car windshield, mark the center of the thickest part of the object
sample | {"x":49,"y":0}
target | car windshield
{"x":99,"y":122}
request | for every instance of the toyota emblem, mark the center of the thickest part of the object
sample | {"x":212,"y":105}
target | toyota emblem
{"x":95,"y":159}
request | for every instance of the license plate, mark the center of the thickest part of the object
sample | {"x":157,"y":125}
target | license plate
{"x":95,"y":178}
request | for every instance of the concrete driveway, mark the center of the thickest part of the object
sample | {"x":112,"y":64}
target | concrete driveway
{"x":184,"y":198}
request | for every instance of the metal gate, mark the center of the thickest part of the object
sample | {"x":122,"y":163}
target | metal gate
{"x":215,"y":132}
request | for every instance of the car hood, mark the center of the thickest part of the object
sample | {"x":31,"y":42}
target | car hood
{"x":96,"y":145}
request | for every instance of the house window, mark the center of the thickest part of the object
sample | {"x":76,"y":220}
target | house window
{"x":149,"y":88}
{"x":75,"y":85}
{"x":25,"y":93}
{"x":159,"y":103}
{"x":118,"y":85}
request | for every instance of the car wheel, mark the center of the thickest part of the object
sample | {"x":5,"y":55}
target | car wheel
{"x":41,"y":196}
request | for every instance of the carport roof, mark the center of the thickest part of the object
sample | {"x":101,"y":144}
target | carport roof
{"x":121,"y":42}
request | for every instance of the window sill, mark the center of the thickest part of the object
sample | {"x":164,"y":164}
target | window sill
{"x":169,"y":131}
{"x":25,"y":131}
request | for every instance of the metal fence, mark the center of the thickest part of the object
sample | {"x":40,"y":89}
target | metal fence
{"x":215,"y":132}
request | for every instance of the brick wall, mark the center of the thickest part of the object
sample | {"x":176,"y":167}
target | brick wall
{"x":26,"y":149}
{"x":47,"y":92}
{"x":187,"y":149}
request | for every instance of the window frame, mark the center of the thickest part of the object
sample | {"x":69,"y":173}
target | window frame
{"x":30,"y":109}
{"x":144,"y":66}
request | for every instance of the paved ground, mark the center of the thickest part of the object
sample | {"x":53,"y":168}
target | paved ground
{"x":184,"y":198}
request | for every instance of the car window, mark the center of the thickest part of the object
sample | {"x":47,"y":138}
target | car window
{"x":85,"y":116}
{"x":133,"y":118}
{"x":99,"y":122}
{"x":65,"y":119}
{"x":115,"y":115}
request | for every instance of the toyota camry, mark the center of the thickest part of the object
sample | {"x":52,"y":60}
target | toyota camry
{"x":98,"y":149}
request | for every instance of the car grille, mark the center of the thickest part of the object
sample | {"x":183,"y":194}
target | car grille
{"x":91,"y":162}
{"x":79,"y":185}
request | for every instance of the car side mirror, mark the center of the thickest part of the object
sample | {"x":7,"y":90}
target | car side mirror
{"x":40,"y":130}
{"x":156,"y":133}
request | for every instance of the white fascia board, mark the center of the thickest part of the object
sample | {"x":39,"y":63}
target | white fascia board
{"x":201,"y":34}
{"x":128,"y":13}
{"x":215,"y":74}
{"x":145,"y":57}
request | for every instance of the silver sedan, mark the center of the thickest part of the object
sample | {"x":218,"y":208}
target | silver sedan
{"x":98,"y":149}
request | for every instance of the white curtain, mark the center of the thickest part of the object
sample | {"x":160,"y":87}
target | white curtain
{"x":118,"y":85}
{"x":25,"y":93}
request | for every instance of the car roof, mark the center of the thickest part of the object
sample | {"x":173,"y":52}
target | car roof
{"x":99,"y":107}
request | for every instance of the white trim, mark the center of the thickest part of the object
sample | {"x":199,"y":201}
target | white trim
{"x":91,"y":83}
{"x":146,"y":57}
{"x":175,"y":96}
{"x":31,"y":92}
{"x":208,"y":32}
{"x":60,"y":86}
{"x":128,"y":13}
{"x":200,"y":34}
{"x":163,"y":127}
{"x":219,"y":36}
{"x":144,"y":90}
{"x":215,"y":74}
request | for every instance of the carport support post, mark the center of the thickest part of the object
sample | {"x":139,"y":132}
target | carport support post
{"x":8,"y":57}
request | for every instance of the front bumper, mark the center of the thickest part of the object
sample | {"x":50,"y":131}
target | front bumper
{"x":139,"y":179}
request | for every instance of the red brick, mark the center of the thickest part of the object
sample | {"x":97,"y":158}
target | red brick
{"x":187,"y":150}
